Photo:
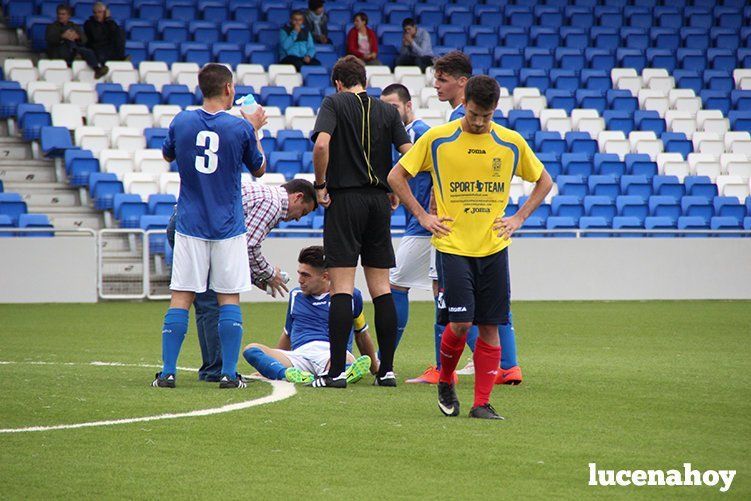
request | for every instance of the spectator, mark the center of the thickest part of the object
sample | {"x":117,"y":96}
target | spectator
{"x":105,"y":37}
{"x":416,"y":48}
{"x":317,"y":21}
{"x":296,"y":43}
{"x":66,"y":40}
{"x":362,"y":41}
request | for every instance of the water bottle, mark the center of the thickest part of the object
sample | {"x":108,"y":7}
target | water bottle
{"x":247,"y":104}
{"x":285,"y":279}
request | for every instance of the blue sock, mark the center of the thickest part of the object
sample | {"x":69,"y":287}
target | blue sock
{"x":437,"y":333}
{"x":230,"y":337}
{"x":173,"y":334}
{"x":472,"y":334}
{"x":401,"y":302}
{"x":269,"y":367}
{"x":508,"y":344}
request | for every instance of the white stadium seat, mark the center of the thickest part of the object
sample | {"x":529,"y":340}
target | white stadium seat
{"x":136,"y":115}
{"x":738,"y":142}
{"x":150,"y":162}
{"x":82,"y":72}
{"x":169,"y":183}
{"x":631,"y":84}
{"x":735,"y":164}
{"x":278,"y":69}
{"x":122,"y":72}
{"x":128,"y":139}
{"x":142,"y":184}
{"x":46,"y":93}
{"x":708,"y":142}
{"x":534,"y":103}
{"x":164,"y":113}
{"x":377,"y":70}
{"x":92,"y":138}
{"x":704,"y":164}
{"x":116,"y":161}
{"x":102,"y":115}
{"x":305,"y":124}
{"x":645,"y":142}
{"x":288,"y":81}
{"x":401,"y":71}
{"x":273,"y":179}
{"x":381,"y":81}
{"x":555,"y":120}
{"x":505,"y":104}
{"x":733,"y":186}
{"x":672,"y":164}
{"x":308,"y":176}
{"x":297,"y":111}
{"x":614,"y":141}
{"x":681,"y":121}
{"x":185,"y":74}
{"x":521,"y":92}
{"x":82,"y":94}
{"x":155,"y":72}
{"x":256,"y":80}
{"x":54,"y":70}
{"x":618,"y":73}
{"x":67,"y":115}
{"x":587,"y":120}
{"x":22,"y":71}
{"x":742,"y":76}
{"x":651,"y":99}
{"x":415,"y":83}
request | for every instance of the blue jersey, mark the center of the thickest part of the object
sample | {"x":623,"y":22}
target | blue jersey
{"x":308,"y":318}
{"x":458,"y":112}
{"x":421,"y":185}
{"x":210,"y":150}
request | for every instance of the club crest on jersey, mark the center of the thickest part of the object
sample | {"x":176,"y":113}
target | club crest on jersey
{"x":496,"y":167}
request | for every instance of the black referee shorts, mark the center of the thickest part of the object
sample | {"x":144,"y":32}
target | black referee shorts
{"x":473,"y":289}
{"x":358,"y":223}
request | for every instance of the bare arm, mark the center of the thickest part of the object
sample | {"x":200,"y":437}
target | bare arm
{"x":320,"y":166}
{"x":508,"y":225}
{"x":404,"y":148}
{"x":283,"y":343}
{"x":365,"y":347}
{"x":398,"y":180}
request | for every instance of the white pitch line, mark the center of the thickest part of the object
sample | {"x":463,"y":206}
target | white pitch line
{"x":280,"y":391}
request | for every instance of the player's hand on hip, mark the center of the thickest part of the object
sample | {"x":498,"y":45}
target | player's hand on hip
{"x":435,"y":224}
{"x":323,"y":198}
{"x":394,"y":201}
{"x":277,"y":284}
{"x":257,"y":119}
{"x":506,"y":226}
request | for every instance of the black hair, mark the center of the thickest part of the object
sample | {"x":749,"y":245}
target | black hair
{"x":350,"y":71}
{"x":455,"y":63}
{"x":302,"y":186}
{"x":212,"y":78}
{"x":483,"y":91}
{"x":362,"y":16}
{"x":400,"y":90}
{"x":312,"y":256}
{"x":408,"y":22}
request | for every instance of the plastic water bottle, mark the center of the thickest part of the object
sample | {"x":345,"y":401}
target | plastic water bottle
{"x":247,"y":104}
{"x":285,"y":279}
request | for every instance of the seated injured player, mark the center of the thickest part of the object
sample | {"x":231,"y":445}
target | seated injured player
{"x":302,"y":352}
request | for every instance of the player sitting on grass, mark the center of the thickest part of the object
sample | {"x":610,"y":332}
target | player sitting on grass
{"x":303,"y":349}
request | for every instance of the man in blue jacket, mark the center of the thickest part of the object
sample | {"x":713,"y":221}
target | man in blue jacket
{"x":296,"y":43}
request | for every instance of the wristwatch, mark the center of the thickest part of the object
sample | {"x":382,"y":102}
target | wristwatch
{"x":319,"y":186}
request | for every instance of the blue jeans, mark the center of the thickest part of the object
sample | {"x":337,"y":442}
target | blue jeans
{"x":206,"y":305}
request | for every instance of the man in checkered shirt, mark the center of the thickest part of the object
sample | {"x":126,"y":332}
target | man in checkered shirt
{"x":264,"y":207}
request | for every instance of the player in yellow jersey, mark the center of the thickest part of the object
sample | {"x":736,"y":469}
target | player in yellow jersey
{"x":472,"y":161}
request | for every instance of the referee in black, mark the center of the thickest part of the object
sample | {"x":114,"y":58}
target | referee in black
{"x":353,"y":137}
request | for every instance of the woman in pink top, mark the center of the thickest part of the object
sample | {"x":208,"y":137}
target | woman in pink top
{"x":362,"y":41}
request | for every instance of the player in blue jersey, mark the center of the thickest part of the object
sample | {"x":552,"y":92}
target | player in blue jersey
{"x":303,"y":348}
{"x":211,"y":147}
{"x":451,"y":74}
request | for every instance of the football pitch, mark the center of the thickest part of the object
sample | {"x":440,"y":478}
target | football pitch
{"x":626,"y":385}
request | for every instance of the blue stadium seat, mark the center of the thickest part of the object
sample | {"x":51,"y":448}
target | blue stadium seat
{"x":600,"y":206}
{"x":594,"y":223}
{"x":236,"y":32}
{"x":145,"y":94}
{"x":700,"y":186}
{"x":155,"y":137}
{"x":12,"y":206}
{"x":31,"y":119}
{"x":649,"y":120}
{"x":665,"y":38}
{"x":54,"y":141}
{"x":605,"y":38}
{"x":158,"y":241}
{"x":178,"y":94}
{"x":664,"y":206}
{"x":693,"y":223}
{"x":195,"y":52}
{"x":689,"y":79}
{"x":140,"y":30}
{"x":103,"y":186}
{"x":172,"y":30}
{"x":213,"y":11}
{"x":676,"y":142}
{"x":609,"y":164}
{"x":285,"y":162}
{"x":636,"y":185}
{"x":631,"y":58}
{"x":204,"y":31}
{"x":581,"y":142}
{"x":79,"y":164}
{"x":722,"y":59}
{"x":660,"y":223}
{"x":151,"y":11}
{"x":722,"y":223}
{"x":11,"y":95}
{"x":628,"y":223}
{"x":6,"y":222}
{"x":519,"y":16}
{"x":548,"y":16}
{"x":17,"y":12}
{"x":227,"y":53}
{"x":634,"y":38}
{"x":549,"y":142}
{"x":693,"y":38}
{"x":163,"y":51}
{"x":507,"y":78}
{"x":621,"y":100}
{"x":719,"y":80}
{"x":619,"y":120}
{"x":162,"y":204}
{"x":268,"y":143}
{"x":532,"y":77}
{"x":560,"y":99}
{"x":34,"y":221}
{"x":567,"y":206}
{"x":576,"y":164}
{"x":691,"y":59}
{"x":740,"y":120}
{"x":740,"y":100}
{"x":128,"y":209}
{"x":545,"y":37}
{"x":570,"y":59}
{"x":539,"y":58}
{"x":293,"y":140}
{"x":552,"y":164}
{"x":524,"y":122}
{"x":632,"y":206}
{"x":639,"y":17}
{"x":668,"y":186}
{"x":533,"y":223}
{"x":639,"y":164}
{"x":572,"y":185}
{"x":729,"y":207}
{"x":584,"y":17}
{"x":558,"y":223}
{"x":183,"y":12}
{"x":268,"y":57}
{"x":594,"y":99}
{"x":604,"y":185}
{"x":543,"y":211}
{"x":697,"y":207}
{"x":110,"y":93}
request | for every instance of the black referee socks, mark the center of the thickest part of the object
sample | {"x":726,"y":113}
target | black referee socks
{"x":385,"y":324}
{"x":340,"y":325}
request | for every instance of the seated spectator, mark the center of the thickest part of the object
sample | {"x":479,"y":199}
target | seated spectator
{"x":66,"y":40}
{"x":296,"y":43}
{"x":416,"y":48}
{"x":105,"y":37}
{"x":362,"y":41}
{"x":317,"y":21}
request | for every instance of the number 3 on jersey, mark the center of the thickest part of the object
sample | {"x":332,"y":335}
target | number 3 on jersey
{"x":208,"y":162}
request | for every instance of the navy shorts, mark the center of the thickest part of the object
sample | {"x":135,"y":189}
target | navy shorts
{"x":473,"y":289}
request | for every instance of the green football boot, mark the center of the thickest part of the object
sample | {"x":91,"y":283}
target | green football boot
{"x":295,"y":375}
{"x":358,"y":369}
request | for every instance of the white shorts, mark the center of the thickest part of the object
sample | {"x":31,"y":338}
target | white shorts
{"x":227,"y":260}
{"x":412,"y":264}
{"x":312,"y":357}
{"x":432,"y":271}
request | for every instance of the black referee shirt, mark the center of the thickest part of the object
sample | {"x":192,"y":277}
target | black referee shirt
{"x":362,"y":129}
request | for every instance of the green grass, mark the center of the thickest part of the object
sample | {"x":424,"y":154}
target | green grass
{"x":628,"y":385}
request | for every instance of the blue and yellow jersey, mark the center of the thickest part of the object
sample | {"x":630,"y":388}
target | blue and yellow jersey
{"x":471,"y":179}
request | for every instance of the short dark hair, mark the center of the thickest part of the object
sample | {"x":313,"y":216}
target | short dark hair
{"x":350,"y":71}
{"x":362,"y":16}
{"x":483,"y":91}
{"x":408,"y":22}
{"x":312,"y":256}
{"x":315,"y":4}
{"x":297,"y":13}
{"x":212,"y":78}
{"x":64,"y":6}
{"x":455,"y":63}
{"x":400,"y":90}
{"x":302,"y":186}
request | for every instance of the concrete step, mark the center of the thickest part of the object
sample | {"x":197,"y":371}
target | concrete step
{"x":10,"y":51}
{"x":8,"y":36}
{"x":14,"y":149}
{"x":22,"y":172}
{"x":44,"y":195}
{"x":122,"y":269}
{"x":68,"y":217}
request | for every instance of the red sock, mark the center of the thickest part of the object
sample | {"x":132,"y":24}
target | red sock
{"x":486,"y":358}
{"x":452,"y":347}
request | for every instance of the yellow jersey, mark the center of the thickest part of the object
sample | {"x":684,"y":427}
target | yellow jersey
{"x":471,"y":179}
